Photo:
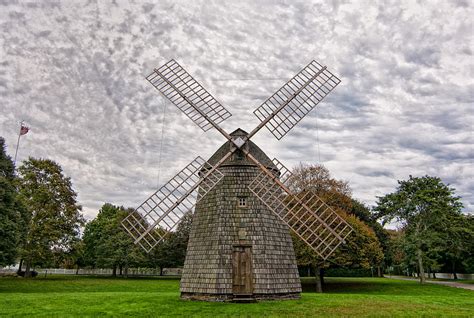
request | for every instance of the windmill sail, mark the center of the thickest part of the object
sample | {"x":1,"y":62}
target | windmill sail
{"x":188,"y":95}
{"x":294,"y":100}
{"x":317,"y":224}
{"x":163,"y":210}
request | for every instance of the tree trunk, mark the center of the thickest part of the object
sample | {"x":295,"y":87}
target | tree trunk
{"x":126,"y":271}
{"x":379,"y":272}
{"x":20,"y":266}
{"x":120,"y":269}
{"x":114,"y":271}
{"x":28,"y":269}
{"x":420,"y":266}
{"x":161,"y":271}
{"x":454,"y":271}
{"x":77,"y":269}
{"x":319,"y":279}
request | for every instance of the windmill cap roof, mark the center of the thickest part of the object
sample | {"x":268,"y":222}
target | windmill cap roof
{"x":254,"y":150}
{"x":239,"y":132}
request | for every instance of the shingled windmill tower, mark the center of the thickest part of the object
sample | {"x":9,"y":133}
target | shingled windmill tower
{"x":240,"y":246}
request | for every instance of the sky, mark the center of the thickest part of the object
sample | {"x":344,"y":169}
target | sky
{"x":75,"y":73}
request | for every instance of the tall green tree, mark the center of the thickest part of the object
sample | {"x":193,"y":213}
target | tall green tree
{"x":457,"y":250}
{"x":171,"y":252}
{"x":361,"y":211}
{"x":11,"y":210}
{"x":424,"y":206}
{"x":53,"y":217}
{"x":107,"y":245}
{"x":397,"y":255}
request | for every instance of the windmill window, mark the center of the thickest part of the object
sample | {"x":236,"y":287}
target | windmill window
{"x":242,"y":202}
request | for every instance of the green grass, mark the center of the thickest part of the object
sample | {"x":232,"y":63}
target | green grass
{"x":64,"y":296}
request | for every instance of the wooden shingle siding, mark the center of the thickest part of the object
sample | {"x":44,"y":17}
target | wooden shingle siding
{"x":219,"y":224}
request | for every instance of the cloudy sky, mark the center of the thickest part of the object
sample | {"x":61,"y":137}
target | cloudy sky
{"x":75,"y":72}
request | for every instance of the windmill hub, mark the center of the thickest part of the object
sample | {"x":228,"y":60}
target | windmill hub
{"x":238,"y":142}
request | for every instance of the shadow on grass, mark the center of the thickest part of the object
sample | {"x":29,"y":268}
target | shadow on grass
{"x":346,"y":285}
{"x":380,"y":286}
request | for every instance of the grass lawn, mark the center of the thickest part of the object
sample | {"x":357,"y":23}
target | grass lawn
{"x":64,"y":296}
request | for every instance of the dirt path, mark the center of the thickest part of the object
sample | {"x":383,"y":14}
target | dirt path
{"x":439,"y":282}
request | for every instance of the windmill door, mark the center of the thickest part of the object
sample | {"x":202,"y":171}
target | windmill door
{"x":242,"y":279}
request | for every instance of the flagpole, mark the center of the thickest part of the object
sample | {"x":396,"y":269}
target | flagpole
{"x":18,"y":142}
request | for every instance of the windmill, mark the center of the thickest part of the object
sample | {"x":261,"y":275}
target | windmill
{"x":240,"y":246}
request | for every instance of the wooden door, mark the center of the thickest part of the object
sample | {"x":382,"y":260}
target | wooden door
{"x":242,"y":278}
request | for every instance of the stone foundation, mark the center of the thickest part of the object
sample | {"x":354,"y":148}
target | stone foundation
{"x":230,"y":297}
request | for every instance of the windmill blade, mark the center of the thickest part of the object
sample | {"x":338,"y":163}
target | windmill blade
{"x":294,"y":100}
{"x":188,"y":95}
{"x":317,"y":224}
{"x":163,"y":210}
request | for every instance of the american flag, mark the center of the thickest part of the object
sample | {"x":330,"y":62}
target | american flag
{"x":24,"y":130}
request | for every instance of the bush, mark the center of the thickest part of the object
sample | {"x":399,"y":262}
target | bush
{"x":349,"y":272}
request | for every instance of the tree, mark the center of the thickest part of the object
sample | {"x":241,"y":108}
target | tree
{"x":361,"y":211}
{"x":107,"y":245}
{"x":73,"y":257}
{"x":397,"y":253}
{"x":317,"y":179}
{"x":468,"y":255}
{"x":457,"y":250}
{"x":52,"y":218}
{"x":362,"y":248}
{"x":10,"y":210}
{"x":171,"y":252}
{"x":424,"y":207}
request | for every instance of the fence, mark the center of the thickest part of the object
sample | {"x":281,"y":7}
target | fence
{"x":178,"y":271}
{"x":101,"y":271}
{"x":450,"y":276}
